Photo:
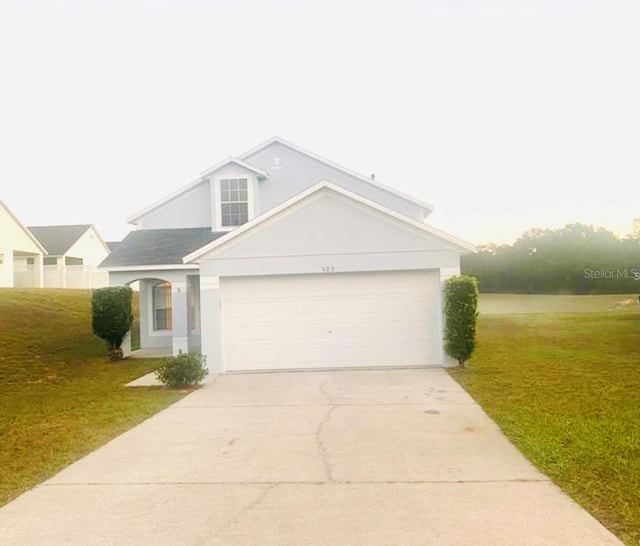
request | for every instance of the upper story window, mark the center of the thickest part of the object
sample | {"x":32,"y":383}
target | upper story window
{"x":234,"y":201}
{"x":233,"y":197}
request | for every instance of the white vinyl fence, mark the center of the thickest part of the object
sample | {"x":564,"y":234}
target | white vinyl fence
{"x":74,"y":276}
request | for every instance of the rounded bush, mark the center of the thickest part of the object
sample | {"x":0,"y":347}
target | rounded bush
{"x":184,"y":370}
{"x":111,"y":316}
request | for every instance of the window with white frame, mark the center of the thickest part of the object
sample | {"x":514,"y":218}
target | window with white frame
{"x":162,"y":312}
{"x":234,"y":201}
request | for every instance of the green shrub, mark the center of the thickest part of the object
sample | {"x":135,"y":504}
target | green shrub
{"x":112,"y":316}
{"x":461,"y":304}
{"x":184,"y":370}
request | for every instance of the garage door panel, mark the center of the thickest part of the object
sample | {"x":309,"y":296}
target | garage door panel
{"x":339,"y":320}
{"x":331,"y":311}
{"x":309,"y":330}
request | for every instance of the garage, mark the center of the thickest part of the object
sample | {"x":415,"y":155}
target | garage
{"x":331,"y":320}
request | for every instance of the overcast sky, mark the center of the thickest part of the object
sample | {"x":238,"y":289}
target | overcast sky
{"x":503,"y":115}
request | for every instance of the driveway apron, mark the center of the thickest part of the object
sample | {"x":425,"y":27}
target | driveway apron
{"x":371,"y":457}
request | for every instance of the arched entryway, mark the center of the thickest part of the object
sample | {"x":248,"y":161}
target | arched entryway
{"x":169,"y":310}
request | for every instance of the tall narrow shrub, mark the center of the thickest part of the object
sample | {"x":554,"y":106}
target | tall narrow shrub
{"x":461,"y":313}
{"x":112,"y":316}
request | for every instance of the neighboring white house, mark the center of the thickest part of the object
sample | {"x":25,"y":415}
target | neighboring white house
{"x":20,"y":253}
{"x":73,"y":254}
{"x":280,"y":259}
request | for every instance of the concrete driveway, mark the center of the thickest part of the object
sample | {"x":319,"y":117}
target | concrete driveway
{"x":397,"y":457}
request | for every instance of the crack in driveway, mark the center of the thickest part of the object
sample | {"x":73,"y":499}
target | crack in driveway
{"x":322,"y":389}
{"x":235,"y":519}
{"x":321,"y":447}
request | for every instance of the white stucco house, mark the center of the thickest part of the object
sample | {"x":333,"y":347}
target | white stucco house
{"x":72,"y":256}
{"x":281,"y":259}
{"x":21,"y":255}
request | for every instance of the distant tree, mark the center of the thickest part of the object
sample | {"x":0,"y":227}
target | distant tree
{"x":545,"y":261}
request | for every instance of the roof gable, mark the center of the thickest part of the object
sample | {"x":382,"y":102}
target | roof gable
{"x":235,"y":161}
{"x":244,"y":161}
{"x":439,"y":239}
{"x":25,"y":234}
{"x":363,"y":178}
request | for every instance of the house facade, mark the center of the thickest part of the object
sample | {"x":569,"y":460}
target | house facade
{"x":21,"y":255}
{"x":281,"y":259}
{"x":72,"y":256}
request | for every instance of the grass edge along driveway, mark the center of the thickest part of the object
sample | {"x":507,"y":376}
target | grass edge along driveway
{"x":61,"y":398}
{"x":565,"y":388}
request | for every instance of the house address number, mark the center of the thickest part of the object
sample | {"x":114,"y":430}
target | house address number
{"x":328,"y":269}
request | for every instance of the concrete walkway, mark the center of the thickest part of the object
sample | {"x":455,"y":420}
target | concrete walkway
{"x":401,"y":457}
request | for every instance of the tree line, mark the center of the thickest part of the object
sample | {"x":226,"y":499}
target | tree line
{"x":576,"y":259}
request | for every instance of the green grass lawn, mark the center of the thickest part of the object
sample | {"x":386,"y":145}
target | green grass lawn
{"x":491,"y":304}
{"x":565,"y":388}
{"x":60,"y":396}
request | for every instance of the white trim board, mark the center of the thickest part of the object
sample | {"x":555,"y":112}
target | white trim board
{"x":165,"y":267}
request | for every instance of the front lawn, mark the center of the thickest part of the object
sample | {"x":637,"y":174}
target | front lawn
{"x":60,"y":397}
{"x":565,"y":388}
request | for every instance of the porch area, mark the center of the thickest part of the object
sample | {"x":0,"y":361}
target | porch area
{"x":169,"y":311}
{"x":155,"y":352}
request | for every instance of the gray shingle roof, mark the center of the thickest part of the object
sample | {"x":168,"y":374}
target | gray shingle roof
{"x":159,"y":246}
{"x":57,"y":240}
{"x":111,"y":245}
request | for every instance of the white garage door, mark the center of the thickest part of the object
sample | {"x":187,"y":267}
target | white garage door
{"x":333,"y":320}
